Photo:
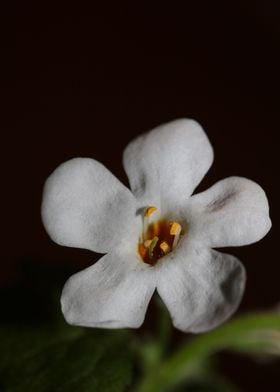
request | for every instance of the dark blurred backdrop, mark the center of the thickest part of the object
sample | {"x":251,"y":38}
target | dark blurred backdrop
{"x":80,"y":80}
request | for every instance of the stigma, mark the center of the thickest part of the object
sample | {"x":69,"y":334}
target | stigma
{"x":158,"y":238}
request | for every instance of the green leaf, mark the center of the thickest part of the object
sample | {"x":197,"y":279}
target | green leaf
{"x":238,"y":334}
{"x":58,"y":359}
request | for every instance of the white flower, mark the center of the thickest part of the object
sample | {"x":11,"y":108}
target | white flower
{"x":156,"y":236}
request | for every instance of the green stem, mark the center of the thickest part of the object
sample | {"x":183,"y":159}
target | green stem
{"x":165,"y":330}
{"x":186,"y":361}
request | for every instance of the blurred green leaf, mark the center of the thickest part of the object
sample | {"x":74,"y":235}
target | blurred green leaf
{"x":64,"y":358}
{"x":259,"y":332}
{"x":149,"y":353}
{"x":152,"y":349}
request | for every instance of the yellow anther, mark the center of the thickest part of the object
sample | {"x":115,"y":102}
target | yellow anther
{"x":149,"y":211}
{"x":175,"y":230}
{"x":164,"y":247}
{"x":147,"y":243}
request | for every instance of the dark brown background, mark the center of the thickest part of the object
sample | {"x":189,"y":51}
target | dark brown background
{"x":83,"y":81}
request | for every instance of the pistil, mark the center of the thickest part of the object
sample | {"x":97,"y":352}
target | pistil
{"x":152,"y":246}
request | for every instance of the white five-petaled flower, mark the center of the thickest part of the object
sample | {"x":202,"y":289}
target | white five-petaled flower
{"x":156,"y":236}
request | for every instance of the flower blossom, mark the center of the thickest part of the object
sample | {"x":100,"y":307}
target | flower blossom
{"x":156,"y":236}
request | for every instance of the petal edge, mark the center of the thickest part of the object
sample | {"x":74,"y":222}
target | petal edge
{"x":168,"y":162}
{"x":85,"y":206}
{"x":113,"y":293}
{"x":233,"y":212}
{"x":203,"y":290}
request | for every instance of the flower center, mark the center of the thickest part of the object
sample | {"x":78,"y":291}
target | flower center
{"x":158,"y":238}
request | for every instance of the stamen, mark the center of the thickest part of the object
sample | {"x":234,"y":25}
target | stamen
{"x":164,"y":247}
{"x":175,"y":230}
{"x":148,"y":212}
{"x":152,"y":247}
{"x":147,"y":243}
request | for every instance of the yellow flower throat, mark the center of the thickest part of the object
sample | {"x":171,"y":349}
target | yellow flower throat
{"x":159,"y":238}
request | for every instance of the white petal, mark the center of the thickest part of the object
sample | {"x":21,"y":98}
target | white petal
{"x":232,"y":212}
{"x":85,"y":206}
{"x":167,"y":163}
{"x":113,"y":293}
{"x":201,"y":289}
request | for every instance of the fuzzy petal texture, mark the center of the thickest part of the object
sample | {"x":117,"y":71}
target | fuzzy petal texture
{"x":113,"y":293}
{"x":86,"y":206}
{"x":165,"y":165}
{"x":233,"y":212}
{"x":201,"y":288}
